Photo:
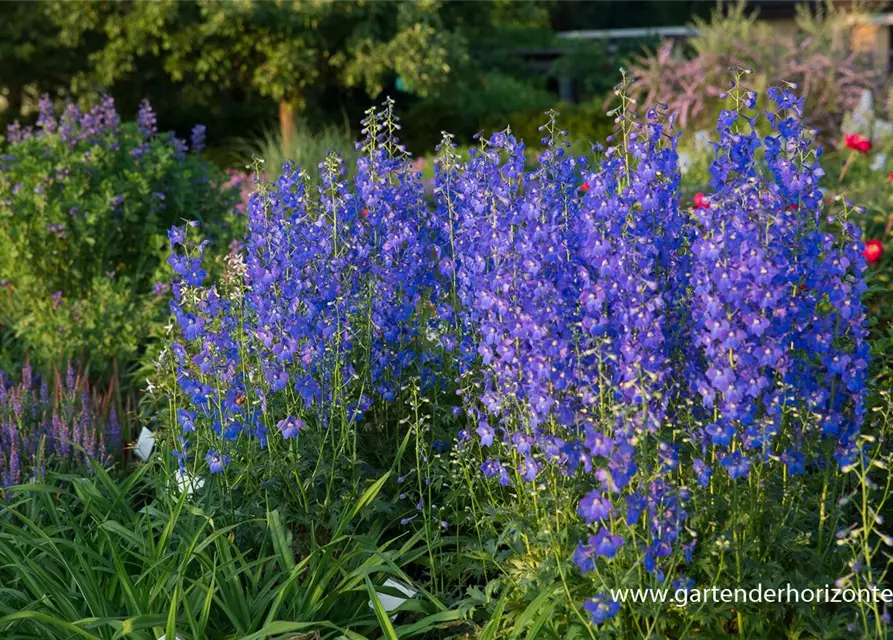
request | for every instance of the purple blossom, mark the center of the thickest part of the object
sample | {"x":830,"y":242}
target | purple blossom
{"x":46,"y":121}
{"x":290,"y":427}
{"x":601,"y":608}
{"x":146,"y":120}
{"x":595,"y":507}
{"x":40,"y":430}
{"x":197,"y":139}
{"x":736,"y":464}
{"x":605,"y":544}
{"x":216,"y":461}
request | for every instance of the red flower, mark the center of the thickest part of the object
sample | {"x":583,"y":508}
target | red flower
{"x":891,"y":175}
{"x":365,"y":213}
{"x":792,"y":207}
{"x":699,"y":201}
{"x":857,"y":143}
{"x":873,"y":251}
{"x":585,"y":187}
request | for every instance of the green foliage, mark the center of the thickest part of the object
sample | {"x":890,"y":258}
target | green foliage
{"x":83,"y":237}
{"x":484,"y":100}
{"x":308,"y":148}
{"x":773,"y":530}
{"x":587,"y":122}
{"x":284,"y":50}
{"x":104,"y":557}
{"x":30,"y":55}
{"x":593,"y":64}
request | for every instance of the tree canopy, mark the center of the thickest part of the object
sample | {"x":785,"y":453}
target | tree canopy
{"x":283,"y":50}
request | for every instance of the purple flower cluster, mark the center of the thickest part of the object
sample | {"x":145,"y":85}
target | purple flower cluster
{"x":570,"y":298}
{"x":100,"y":125}
{"x":325,"y":312}
{"x":59,"y":426}
{"x":592,"y":321}
{"x":777,"y":347}
{"x":589,"y":314}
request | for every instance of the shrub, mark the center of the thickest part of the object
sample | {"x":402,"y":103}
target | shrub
{"x":818,"y":59}
{"x":85,"y":202}
{"x":587,"y":122}
{"x":309,"y":148}
{"x":492,"y":97}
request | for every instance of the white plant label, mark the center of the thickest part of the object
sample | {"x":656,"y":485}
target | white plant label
{"x":144,"y":445}
{"x":389,"y":602}
{"x":188,"y":483}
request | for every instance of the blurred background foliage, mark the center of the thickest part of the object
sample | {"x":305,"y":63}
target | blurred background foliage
{"x":247,"y":69}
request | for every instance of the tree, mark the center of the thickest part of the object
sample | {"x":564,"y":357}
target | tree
{"x":32,"y":60}
{"x":284,"y":50}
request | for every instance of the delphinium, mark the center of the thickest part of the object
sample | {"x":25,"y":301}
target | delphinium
{"x":622,"y":360}
{"x":53,"y":424}
{"x":398,"y":250}
{"x":564,"y":276}
{"x":314,"y":321}
{"x":778,"y":354}
{"x":776,"y":359}
{"x":618,"y":345}
{"x":632,"y":240}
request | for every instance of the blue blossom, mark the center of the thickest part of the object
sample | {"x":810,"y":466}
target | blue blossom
{"x":491,"y":468}
{"x":216,"y":461}
{"x":595,"y":507}
{"x":601,"y":608}
{"x":186,"y":420}
{"x":528,"y":468}
{"x":485,"y":431}
{"x":605,"y":544}
{"x":736,"y":464}
{"x":290,"y":427}
{"x":703,"y":472}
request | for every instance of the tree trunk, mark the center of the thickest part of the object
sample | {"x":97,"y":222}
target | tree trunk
{"x":287,"y":128}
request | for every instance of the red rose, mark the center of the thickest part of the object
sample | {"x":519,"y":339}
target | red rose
{"x":857,"y":143}
{"x":873,"y":251}
{"x":699,"y":201}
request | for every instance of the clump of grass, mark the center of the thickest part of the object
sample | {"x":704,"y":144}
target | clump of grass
{"x":308,"y":149}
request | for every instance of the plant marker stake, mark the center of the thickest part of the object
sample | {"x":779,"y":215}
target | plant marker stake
{"x":144,"y":445}
{"x":188,"y":483}
{"x":389,"y":602}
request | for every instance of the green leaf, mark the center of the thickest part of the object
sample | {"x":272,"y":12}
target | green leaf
{"x":48,"y":620}
{"x":386,"y":626}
